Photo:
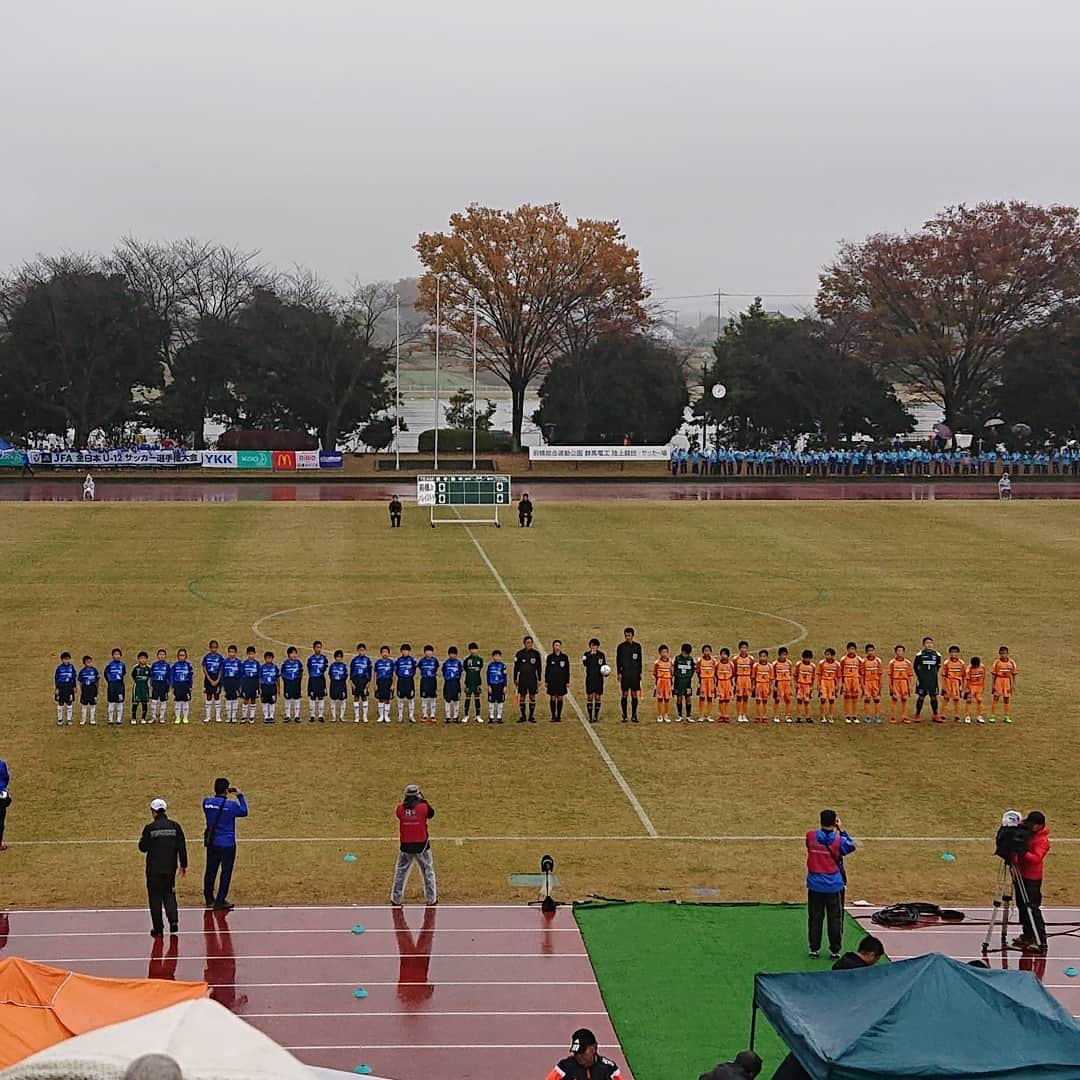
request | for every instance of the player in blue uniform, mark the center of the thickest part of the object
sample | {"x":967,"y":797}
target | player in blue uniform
{"x":429,"y":688}
{"x":64,"y":679}
{"x":182,"y":678}
{"x":231,"y":678}
{"x":496,"y":684}
{"x":405,"y":681}
{"x":451,"y":675}
{"x":269,"y":673}
{"x":249,"y":683}
{"x":88,"y":688}
{"x":360,"y":675}
{"x":292,"y":672}
{"x":317,"y":663}
{"x":384,"y":669}
{"x":211,"y":669}
{"x":160,"y":681}
{"x":115,"y":673}
{"x":339,"y":675}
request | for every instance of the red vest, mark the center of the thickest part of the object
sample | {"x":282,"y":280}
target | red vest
{"x":413,"y":823}
{"x":819,"y":860}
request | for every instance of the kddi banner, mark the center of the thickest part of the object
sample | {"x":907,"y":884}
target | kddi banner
{"x":599,"y":453}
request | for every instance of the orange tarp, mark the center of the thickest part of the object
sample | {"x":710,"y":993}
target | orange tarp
{"x":41,"y":1006}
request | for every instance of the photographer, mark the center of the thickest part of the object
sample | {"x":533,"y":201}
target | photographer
{"x":413,"y":814}
{"x":826,"y":881}
{"x":1028,"y":865}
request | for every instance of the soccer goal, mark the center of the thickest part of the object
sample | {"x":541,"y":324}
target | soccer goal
{"x":463,"y":498}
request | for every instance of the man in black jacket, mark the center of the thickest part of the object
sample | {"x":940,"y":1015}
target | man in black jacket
{"x":163,"y":843}
{"x":525,"y":511}
{"x":628,"y":665}
{"x":869,"y":952}
{"x":745,"y":1067}
{"x":527,"y":665}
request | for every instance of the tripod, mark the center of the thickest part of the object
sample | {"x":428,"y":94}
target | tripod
{"x":1008,"y":881}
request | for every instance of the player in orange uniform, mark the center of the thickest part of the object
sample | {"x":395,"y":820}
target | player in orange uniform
{"x":974,"y":688}
{"x":872,"y":669}
{"x":1004,"y":672}
{"x":828,"y":675}
{"x":954,"y":669}
{"x":744,"y":682}
{"x":706,"y":673}
{"x":901,"y":676}
{"x":725,"y":684}
{"x":783,"y":683}
{"x":805,"y":673}
{"x":763,"y":680}
{"x":663,"y":677}
{"x":851,"y":682}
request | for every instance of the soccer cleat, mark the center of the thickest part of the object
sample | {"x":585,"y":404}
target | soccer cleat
{"x":980,"y":720}
{"x":967,"y":719}
{"x":1005,"y":719}
{"x":185,"y":720}
{"x":814,"y":954}
{"x":991,"y":719}
{"x":177,"y":720}
{"x":1036,"y":947}
{"x":834,"y":954}
{"x":789,"y":720}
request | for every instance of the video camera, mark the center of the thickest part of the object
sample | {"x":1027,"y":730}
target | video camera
{"x":1012,"y":837}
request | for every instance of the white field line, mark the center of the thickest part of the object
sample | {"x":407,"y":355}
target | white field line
{"x":480,"y":839}
{"x":600,"y":748}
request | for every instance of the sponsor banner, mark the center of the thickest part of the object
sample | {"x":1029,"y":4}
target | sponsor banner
{"x":599,"y":453}
{"x":284,"y":460}
{"x":115,"y":459}
{"x":11,"y":459}
{"x":307,"y":459}
{"x":254,"y":459}
{"x":220,"y":459}
{"x":331,"y":459}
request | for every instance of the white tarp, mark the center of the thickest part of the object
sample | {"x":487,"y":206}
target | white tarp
{"x":203,"y":1037}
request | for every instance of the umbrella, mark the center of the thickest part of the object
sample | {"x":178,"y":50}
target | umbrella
{"x":942,"y":432}
{"x":1021,"y":430}
{"x":994,"y":422}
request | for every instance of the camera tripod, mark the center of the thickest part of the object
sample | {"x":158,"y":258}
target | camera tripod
{"x":1008,"y":882}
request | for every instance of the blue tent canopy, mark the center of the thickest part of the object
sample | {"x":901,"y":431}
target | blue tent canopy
{"x":927,"y":1017}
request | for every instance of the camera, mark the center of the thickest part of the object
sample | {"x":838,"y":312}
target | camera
{"x":1012,"y":836}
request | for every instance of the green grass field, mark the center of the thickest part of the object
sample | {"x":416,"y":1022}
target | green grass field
{"x":86,"y":578}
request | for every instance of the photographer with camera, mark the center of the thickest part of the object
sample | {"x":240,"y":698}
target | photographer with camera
{"x":1027,"y":864}
{"x":413,"y":814}
{"x":826,"y":881}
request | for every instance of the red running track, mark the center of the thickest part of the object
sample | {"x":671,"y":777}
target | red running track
{"x":963,"y":941}
{"x":465,"y":993}
{"x":109,"y":490}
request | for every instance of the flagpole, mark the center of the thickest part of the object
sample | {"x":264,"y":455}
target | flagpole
{"x":438,"y":316}
{"x":475,"y":316}
{"x":397,"y":381}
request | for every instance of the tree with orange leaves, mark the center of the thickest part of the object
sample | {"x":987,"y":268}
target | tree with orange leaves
{"x":544,"y":287}
{"x":936,"y":310}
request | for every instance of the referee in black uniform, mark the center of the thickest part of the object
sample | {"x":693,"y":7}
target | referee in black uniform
{"x":527,"y":661}
{"x":628,"y":668}
{"x":556,"y":679}
{"x":163,"y":842}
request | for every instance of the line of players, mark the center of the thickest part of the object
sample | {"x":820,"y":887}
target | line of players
{"x":236,"y":688}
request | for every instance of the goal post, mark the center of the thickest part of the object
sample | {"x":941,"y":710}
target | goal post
{"x":463,"y":498}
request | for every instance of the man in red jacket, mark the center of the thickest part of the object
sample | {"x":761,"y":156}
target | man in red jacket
{"x":1029,"y":866}
{"x":413,"y":814}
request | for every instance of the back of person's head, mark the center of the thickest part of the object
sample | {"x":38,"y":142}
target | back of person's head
{"x":153,"y":1067}
{"x":871,"y":946}
{"x":748,"y":1061}
{"x":221,"y":785}
{"x":1036,"y":817}
{"x":828,"y":819}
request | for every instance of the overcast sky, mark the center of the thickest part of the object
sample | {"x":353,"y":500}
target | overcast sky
{"x":737,"y":141}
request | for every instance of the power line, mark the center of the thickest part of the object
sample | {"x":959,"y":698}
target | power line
{"x":735,"y":295}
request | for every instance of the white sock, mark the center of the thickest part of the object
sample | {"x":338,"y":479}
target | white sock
{"x":412,"y":709}
{"x":217,"y":708}
{"x":84,"y":714}
{"x":356,"y":711}
{"x":401,"y":709}
{"x":322,"y":708}
{"x":93,"y":714}
{"x":206,"y":718}
{"x":364,"y":705}
{"x":70,"y":713}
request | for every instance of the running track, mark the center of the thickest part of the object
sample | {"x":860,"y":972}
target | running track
{"x":190,"y":490}
{"x":963,"y":941}
{"x":462,"y":993}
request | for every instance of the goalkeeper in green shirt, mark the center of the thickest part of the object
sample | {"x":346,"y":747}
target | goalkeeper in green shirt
{"x":684,"y":683}
{"x":140,"y":688}
{"x":473,"y":670}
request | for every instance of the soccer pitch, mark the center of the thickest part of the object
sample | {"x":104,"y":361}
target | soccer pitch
{"x":642,"y":811}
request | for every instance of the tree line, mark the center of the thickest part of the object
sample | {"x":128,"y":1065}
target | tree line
{"x":975,"y":312}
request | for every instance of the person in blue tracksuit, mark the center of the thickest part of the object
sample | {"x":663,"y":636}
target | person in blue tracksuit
{"x":221,"y":812}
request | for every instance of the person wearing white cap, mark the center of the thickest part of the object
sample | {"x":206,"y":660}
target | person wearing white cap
{"x":413,"y":814}
{"x":165,"y":848}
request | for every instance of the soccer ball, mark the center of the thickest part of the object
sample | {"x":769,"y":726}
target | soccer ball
{"x":605,"y":669}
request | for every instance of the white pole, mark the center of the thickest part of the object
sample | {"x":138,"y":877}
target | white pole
{"x":438,"y":316}
{"x":475,"y":317}
{"x":397,"y":382}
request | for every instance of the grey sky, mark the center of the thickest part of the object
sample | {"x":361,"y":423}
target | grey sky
{"x":737,"y":142}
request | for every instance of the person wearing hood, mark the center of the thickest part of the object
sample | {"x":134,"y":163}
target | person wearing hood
{"x":826,"y":880}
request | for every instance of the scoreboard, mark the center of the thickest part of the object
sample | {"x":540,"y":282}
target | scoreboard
{"x":465,"y":489}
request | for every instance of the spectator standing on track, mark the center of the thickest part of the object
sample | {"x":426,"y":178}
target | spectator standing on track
{"x":826,"y":881}
{"x":88,"y":489}
{"x":1029,"y":899}
{"x":5,"y":799}
{"x":746,"y":1066}
{"x":1005,"y":487}
{"x":413,"y":814}
{"x":165,"y":847}
{"x":220,"y":841}
{"x":525,"y":511}
{"x":628,"y":663}
{"x":584,"y":1062}
{"x":395,"y":512}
